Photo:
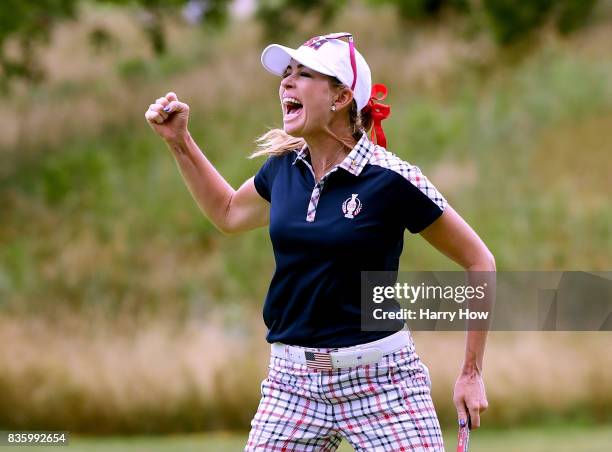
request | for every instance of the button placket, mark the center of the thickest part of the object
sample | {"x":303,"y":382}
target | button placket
{"x":314,"y":201}
{"x":353,"y":163}
{"x":316,"y":195}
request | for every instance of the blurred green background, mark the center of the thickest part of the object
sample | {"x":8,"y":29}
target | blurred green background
{"x":124,"y":312}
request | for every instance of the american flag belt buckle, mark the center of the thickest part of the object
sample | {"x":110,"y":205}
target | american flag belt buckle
{"x":339,"y":360}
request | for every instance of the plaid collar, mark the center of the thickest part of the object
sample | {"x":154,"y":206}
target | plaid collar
{"x":354,"y":162}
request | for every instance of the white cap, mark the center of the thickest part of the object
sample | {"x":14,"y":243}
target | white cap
{"x":328,"y":55}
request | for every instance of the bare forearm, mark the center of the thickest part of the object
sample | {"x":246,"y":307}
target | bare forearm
{"x":474,"y":352}
{"x":210,"y":190}
{"x":482,"y":273}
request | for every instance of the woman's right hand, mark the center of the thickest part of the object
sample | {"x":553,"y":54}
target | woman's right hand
{"x":168,"y":117}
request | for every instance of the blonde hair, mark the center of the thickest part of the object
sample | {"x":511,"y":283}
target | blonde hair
{"x":276,"y":142}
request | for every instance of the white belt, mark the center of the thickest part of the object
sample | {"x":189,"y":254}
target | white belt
{"x":368,"y":353}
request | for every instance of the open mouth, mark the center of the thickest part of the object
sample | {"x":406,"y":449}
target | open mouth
{"x":293,"y":108}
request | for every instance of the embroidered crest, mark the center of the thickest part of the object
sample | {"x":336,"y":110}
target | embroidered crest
{"x":351,"y":206}
{"x":315,"y":42}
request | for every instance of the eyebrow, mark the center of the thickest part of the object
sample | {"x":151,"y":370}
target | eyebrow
{"x":289,"y":67}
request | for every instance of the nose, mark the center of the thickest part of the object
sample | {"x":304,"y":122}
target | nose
{"x":287,"y":81}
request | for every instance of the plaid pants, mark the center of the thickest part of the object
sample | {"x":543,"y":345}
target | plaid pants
{"x":384,"y":407}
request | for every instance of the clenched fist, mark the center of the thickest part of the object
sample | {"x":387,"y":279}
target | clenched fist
{"x":168,"y":117}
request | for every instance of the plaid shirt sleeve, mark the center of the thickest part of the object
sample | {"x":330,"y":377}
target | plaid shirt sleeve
{"x":421,"y":202}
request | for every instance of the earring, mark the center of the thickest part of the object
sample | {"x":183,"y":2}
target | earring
{"x":333,"y":108}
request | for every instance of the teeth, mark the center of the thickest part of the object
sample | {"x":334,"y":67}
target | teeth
{"x":291,"y":100}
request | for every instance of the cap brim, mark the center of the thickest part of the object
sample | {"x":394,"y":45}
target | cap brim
{"x":275,"y":58}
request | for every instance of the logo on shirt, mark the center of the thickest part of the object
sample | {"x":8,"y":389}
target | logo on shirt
{"x":351,"y":206}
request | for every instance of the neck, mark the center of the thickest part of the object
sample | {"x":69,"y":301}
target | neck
{"x":327,"y":150}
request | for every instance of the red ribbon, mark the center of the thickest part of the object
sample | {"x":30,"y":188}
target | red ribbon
{"x":379,"y":112}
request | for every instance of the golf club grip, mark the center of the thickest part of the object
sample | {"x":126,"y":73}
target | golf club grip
{"x":463,"y":438}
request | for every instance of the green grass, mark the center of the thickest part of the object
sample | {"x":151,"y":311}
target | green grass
{"x":533,"y":439}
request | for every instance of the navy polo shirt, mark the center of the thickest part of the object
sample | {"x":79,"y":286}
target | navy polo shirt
{"x":324,"y":234}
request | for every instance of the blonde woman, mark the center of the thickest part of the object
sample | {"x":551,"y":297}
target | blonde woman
{"x":336,"y":202}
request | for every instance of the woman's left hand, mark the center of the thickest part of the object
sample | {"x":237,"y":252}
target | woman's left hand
{"x":470,"y":398}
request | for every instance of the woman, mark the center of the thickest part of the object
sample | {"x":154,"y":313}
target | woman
{"x":337,"y":203}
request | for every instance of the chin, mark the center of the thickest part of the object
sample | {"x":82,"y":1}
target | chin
{"x":293,"y":131}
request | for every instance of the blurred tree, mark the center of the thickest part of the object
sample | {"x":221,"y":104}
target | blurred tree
{"x":100,"y":40}
{"x":573,"y":14}
{"x":424,"y":9}
{"x":509,"y":20}
{"x":27,"y":24}
{"x":280,"y":17}
{"x":209,"y":12}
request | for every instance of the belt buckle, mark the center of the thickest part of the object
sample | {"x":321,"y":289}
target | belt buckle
{"x":357,"y":357}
